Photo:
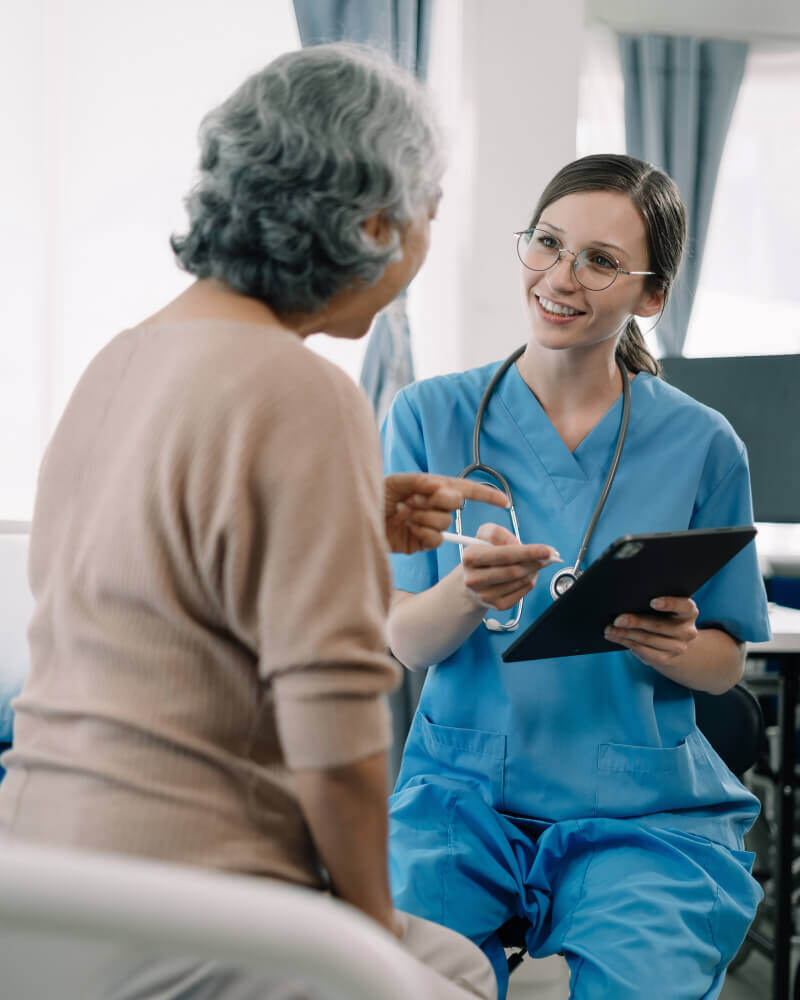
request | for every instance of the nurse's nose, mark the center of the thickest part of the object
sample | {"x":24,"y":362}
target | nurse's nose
{"x":561,"y":276}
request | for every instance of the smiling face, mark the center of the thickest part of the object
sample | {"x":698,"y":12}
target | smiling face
{"x":562,"y":313}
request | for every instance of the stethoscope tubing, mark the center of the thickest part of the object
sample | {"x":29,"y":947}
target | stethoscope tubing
{"x":557,"y":587}
{"x":562,"y":580}
{"x":477,"y":466}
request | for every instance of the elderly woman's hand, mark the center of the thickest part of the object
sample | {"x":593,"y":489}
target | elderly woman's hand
{"x":418,"y":507}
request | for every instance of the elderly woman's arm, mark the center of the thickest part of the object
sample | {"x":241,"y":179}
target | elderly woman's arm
{"x":345,"y":808}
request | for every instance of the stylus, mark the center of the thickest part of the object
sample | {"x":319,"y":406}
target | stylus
{"x":451,"y":536}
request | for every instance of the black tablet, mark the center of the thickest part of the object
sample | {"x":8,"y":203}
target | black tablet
{"x":625,"y":578}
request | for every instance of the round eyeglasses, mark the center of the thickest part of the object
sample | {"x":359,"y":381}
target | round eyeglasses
{"x":593,"y":268}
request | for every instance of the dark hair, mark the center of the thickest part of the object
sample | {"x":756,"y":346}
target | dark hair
{"x":659,"y":202}
{"x":293,"y":164}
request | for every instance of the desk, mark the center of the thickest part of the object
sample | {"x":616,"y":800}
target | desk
{"x":785,"y":647}
{"x":778,"y":549}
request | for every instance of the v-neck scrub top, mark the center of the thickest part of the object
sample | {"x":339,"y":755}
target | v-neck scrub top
{"x":600,"y":735}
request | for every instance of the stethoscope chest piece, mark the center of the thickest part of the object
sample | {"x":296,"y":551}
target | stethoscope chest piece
{"x":561,"y":582}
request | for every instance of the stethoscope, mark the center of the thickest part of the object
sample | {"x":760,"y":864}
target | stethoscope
{"x":561,"y":581}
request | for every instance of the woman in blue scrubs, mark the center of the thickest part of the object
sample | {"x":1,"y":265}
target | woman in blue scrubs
{"x":578,"y":792}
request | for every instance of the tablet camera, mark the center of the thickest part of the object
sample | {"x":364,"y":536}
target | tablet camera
{"x":628,"y":550}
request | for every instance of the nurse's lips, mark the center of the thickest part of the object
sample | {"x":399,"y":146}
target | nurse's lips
{"x":558,"y":313}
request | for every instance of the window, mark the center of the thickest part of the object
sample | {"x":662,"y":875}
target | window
{"x":748,"y":295}
{"x":104,"y":101}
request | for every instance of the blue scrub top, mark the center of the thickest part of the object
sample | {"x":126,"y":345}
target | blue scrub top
{"x":596,"y":735}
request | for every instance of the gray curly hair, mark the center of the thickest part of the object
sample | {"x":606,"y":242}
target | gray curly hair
{"x":293,"y":164}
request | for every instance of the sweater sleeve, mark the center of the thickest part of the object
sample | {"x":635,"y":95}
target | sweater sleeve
{"x":305,"y":577}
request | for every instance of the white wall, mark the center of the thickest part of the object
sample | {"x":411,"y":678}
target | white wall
{"x":127,"y":86}
{"x":99,"y":109}
{"x":510,"y":95}
{"x":22,"y":256}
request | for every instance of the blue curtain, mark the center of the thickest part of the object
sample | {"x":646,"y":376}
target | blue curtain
{"x":679,"y":99}
{"x":388,"y":364}
{"x":401,"y":28}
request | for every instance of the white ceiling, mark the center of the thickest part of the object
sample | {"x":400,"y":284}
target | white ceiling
{"x":775,"y":20}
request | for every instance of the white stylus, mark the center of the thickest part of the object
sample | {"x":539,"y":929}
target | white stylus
{"x":451,"y":536}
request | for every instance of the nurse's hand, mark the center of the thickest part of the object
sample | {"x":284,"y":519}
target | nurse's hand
{"x":418,"y":507}
{"x":657,"y":639}
{"x":500,"y":574}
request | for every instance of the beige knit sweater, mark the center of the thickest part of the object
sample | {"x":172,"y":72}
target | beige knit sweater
{"x":210,"y":581}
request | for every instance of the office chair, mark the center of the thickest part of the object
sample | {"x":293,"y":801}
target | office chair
{"x":734,"y":726}
{"x":16,"y":606}
{"x":65,"y":913}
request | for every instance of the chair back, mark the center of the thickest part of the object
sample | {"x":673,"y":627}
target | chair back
{"x":16,"y":607}
{"x":733,"y":724}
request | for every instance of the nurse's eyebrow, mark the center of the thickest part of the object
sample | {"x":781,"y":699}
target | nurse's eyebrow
{"x":594,"y":243}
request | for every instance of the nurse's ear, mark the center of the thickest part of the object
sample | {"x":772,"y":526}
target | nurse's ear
{"x":651,"y":301}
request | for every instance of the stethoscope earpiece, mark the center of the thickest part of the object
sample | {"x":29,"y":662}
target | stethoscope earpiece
{"x":495,"y":626}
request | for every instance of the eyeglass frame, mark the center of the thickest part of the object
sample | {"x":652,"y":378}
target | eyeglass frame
{"x":562,"y":250}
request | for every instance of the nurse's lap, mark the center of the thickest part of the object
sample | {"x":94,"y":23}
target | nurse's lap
{"x":632,"y":908}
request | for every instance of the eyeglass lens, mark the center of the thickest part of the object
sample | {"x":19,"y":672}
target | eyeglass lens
{"x":593,"y":268}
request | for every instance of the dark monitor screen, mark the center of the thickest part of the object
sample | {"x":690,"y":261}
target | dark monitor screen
{"x":760,"y":396}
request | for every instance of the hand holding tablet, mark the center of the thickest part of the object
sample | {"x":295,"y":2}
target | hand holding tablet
{"x":633,"y":571}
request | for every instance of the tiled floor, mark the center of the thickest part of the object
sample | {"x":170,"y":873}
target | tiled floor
{"x":751,"y":981}
{"x":548,"y":979}
{"x":540,"y":979}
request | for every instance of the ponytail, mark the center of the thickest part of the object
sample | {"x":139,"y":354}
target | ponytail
{"x":633,"y":352}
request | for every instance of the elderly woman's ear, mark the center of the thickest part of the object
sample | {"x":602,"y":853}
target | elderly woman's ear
{"x":379,"y":229}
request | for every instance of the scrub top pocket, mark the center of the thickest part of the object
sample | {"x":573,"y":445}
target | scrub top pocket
{"x":637,"y":781}
{"x":470,"y":756}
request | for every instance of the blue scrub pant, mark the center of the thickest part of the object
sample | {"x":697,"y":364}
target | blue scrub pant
{"x":637,"y":911}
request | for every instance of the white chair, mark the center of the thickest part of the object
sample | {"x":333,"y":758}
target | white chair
{"x":16,"y":605}
{"x":64,"y":912}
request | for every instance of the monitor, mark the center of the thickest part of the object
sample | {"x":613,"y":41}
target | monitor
{"x":760,"y":396}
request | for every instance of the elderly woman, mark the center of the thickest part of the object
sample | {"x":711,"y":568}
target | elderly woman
{"x":208,"y":548}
